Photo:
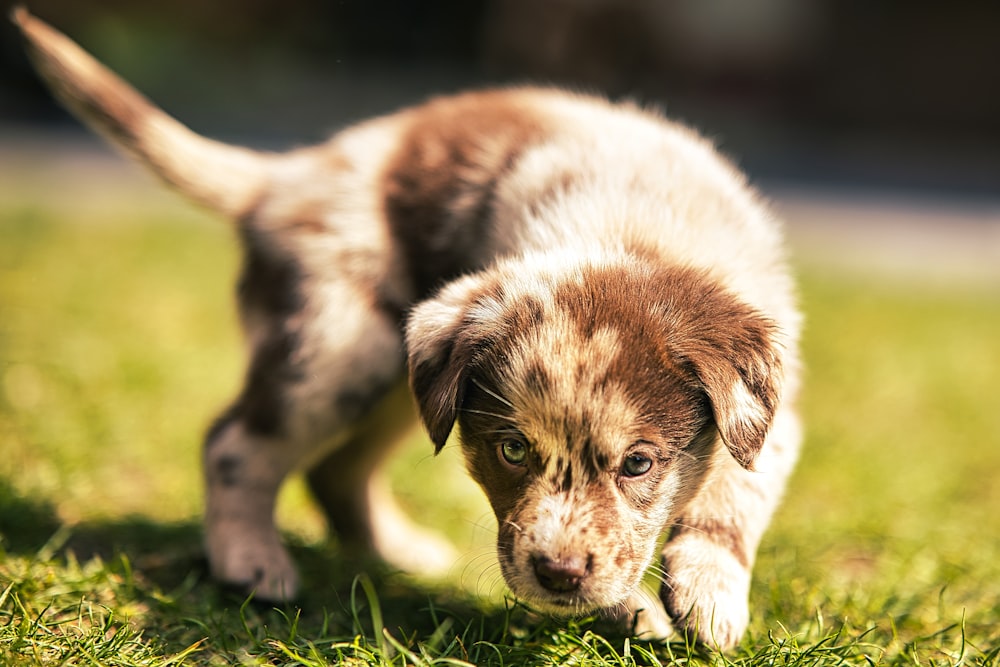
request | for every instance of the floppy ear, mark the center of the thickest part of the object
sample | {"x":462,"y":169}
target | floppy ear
{"x":737,"y":356}
{"x":742,"y":377}
{"x":441,"y":340}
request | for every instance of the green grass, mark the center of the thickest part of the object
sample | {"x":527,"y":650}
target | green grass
{"x":118,"y":344}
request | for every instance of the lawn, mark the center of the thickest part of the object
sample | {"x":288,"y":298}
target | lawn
{"x":118,"y":344}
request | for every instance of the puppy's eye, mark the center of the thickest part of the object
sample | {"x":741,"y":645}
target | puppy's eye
{"x":636,"y":465}
{"x":514,"y":452}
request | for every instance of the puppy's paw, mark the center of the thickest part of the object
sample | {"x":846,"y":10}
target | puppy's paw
{"x":647,"y":617}
{"x":254,"y":563}
{"x":641,"y":616}
{"x":706,"y":593}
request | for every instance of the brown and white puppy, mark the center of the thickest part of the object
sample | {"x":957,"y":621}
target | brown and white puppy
{"x":594,"y":296}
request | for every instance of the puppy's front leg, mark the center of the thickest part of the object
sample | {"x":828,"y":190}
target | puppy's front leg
{"x":710,"y":553}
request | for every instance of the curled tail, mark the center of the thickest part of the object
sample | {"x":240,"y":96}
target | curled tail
{"x":223,"y":177}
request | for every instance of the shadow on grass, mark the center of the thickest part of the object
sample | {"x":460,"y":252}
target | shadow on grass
{"x":25,"y":524}
{"x":160,"y":570}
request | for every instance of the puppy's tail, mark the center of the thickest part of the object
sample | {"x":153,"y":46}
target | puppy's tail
{"x":225,"y":178}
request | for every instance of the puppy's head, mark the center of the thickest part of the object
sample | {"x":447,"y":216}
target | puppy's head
{"x":590,"y":399}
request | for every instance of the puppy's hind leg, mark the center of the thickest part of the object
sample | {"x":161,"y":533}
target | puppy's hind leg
{"x":244,"y":470}
{"x":351,"y":486}
{"x":318,"y":366}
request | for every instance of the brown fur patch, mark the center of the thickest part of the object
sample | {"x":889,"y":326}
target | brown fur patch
{"x":269,"y":292}
{"x":439,"y":186}
{"x":629,"y":302}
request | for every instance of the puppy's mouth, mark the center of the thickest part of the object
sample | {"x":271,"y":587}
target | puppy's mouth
{"x":574,"y":605}
{"x":564,"y":588}
{"x":568,"y":606}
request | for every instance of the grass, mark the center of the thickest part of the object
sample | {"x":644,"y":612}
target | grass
{"x":118,"y":344}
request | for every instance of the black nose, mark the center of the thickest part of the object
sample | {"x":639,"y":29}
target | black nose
{"x":561,"y":575}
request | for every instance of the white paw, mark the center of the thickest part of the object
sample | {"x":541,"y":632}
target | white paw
{"x":254,"y":561}
{"x":641,"y":615}
{"x":648,"y":618}
{"x":706,"y":594}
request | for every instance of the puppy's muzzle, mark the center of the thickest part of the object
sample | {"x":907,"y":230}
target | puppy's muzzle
{"x":562,"y":575}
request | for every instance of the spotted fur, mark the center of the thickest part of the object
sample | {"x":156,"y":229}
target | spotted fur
{"x":587,"y":290}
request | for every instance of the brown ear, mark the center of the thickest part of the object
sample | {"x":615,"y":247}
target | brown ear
{"x":441,"y":337}
{"x":734,"y":352}
{"x":742,"y":378}
{"x":437,"y":381}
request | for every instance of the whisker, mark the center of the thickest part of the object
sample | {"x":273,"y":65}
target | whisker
{"x":695,"y":457}
{"x":497,"y":585}
{"x":658,"y":571}
{"x":666,"y":579}
{"x":486,"y":584}
{"x":648,"y":598}
{"x":480,"y":568}
{"x":487,"y":414}
{"x":492,"y":393}
{"x":701,"y":529}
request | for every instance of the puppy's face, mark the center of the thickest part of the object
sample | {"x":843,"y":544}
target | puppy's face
{"x":590,"y":401}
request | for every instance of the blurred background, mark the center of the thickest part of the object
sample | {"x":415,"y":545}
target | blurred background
{"x":829,"y":103}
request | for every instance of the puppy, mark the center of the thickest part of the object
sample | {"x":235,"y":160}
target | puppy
{"x":594,"y":297}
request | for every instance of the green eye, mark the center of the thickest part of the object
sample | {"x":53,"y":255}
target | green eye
{"x":636,"y":465}
{"x":514,"y":452}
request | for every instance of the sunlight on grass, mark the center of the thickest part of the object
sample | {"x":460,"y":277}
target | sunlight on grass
{"x":118,"y":345}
